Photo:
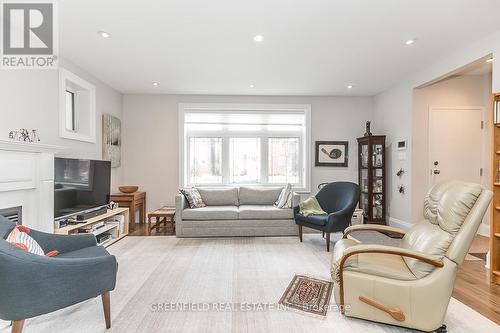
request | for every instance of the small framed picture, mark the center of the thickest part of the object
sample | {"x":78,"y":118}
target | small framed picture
{"x":332,"y":153}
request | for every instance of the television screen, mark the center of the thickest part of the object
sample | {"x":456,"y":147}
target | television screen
{"x":80,"y":185}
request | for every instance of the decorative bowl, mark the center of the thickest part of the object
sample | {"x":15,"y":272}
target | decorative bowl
{"x":128,"y":189}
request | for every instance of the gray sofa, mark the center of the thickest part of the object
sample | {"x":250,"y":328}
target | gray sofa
{"x":244,"y":211}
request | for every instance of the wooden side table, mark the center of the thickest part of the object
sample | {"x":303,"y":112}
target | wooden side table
{"x":163,"y":215}
{"x":136,"y":202}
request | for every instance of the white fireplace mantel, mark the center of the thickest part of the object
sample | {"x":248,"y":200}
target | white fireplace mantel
{"x":27,"y":180}
{"x":12,"y":145}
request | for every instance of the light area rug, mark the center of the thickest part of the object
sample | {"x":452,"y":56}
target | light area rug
{"x":165,"y":270}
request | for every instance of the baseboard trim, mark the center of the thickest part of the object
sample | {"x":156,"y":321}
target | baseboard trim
{"x":393,"y":222}
{"x":484,"y":230}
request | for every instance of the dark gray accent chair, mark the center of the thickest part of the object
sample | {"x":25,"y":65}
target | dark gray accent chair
{"x":339,"y":200}
{"x":32,"y":285}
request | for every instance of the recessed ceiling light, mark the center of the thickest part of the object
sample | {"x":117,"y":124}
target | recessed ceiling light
{"x":252,"y":85}
{"x":258,"y":38}
{"x":489,"y":60}
{"x":155,"y":84}
{"x":350,"y":86}
{"x":104,"y":34}
{"x":410,"y":41}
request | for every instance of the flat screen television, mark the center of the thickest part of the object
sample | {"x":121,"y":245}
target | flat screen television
{"x":80,"y":185}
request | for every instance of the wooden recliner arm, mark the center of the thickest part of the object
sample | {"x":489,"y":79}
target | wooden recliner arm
{"x":383,"y":249}
{"x":373,"y":227}
{"x":391,"y":250}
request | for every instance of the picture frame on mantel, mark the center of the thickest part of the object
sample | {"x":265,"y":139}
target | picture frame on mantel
{"x":332,"y":153}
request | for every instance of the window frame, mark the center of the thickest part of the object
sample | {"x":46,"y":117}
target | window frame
{"x":304,"y":141}
{"x":85,"y":107}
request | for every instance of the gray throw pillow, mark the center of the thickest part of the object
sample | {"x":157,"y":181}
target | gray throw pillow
{"x":193,"y":197}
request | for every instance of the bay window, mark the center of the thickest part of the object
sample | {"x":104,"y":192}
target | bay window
{"x":228,"y":144}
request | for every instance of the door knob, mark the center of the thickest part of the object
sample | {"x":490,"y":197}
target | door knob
{"x":437,"y":172}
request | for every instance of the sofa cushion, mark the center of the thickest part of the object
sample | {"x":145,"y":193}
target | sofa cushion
{"x":219,"y":196}
{"x":211,"y":213}
{"x":264,"y":212}
{"x":259,"y":195}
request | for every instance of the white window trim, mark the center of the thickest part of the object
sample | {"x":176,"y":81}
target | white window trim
{"x":89,"y":89}
{"x":184,"y":108}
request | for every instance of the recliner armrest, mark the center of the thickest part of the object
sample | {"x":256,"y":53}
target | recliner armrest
{"x":373,"y":227}
{"x":389,"y":250}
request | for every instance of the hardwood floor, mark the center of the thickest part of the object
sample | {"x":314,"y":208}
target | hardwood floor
{"x":141,"y":229}
{"x":472,"y":286}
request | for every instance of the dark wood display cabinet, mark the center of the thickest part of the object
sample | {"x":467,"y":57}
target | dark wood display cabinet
{"x":371,"y":172}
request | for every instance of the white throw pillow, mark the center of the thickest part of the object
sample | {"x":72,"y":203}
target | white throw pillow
{"x":285,"y":195}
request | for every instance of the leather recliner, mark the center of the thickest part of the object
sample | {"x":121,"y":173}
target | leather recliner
{"x":411,"y":285}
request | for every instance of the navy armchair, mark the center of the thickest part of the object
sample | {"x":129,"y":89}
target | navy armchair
{"x":32,"y":285}
{"x":339,"y":200}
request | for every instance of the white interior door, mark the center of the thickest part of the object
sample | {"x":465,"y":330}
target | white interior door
{"x":455,"y":144}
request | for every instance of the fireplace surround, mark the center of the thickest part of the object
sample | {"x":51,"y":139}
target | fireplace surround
{"x":27,"y":181}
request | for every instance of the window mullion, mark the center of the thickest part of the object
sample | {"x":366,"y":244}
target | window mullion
{"x":264,"y":160}
{"x":225,"y":160}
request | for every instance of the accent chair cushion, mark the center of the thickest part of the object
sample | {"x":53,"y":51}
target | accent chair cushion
{"x":259,"y":195}
{"x":86,"y":252}
{"x":193,"y":197}
{"x":211,"y":213}
{"x":219,"y":196}
{"x":319,"y":220}
{"x":264,"y":212}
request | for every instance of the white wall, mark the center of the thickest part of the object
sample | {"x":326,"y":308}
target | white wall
{"x":393,"y":111}
{"x":151,"y":147}
{"x":29,"y":99}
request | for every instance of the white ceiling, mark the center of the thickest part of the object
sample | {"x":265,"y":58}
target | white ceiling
{"x":311,"y":47}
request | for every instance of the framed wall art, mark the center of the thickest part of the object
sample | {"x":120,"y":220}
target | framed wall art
{"x":332,"y":153}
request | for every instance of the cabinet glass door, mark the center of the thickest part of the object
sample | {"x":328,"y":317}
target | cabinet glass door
{"x":377,"y":206}
{"x":377,"y":179}
{"x":377,"y":153}
{"x":364,"y":155}
{"x":363,"y":203}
